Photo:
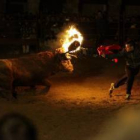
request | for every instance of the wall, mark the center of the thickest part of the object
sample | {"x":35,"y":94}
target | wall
{"x":2,"y":6}
{"x":71,"y":6}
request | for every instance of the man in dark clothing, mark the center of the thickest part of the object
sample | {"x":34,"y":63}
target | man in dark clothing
{"x":132,"y":55}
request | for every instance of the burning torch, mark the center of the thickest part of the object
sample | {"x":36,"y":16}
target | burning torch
{"x":72,"y":42}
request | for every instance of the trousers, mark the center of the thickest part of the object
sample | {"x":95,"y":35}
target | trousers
{"x":128,"y":78}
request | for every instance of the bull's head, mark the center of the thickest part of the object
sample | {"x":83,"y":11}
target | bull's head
{"x":64,"y":58}
{"x":63,"y":61}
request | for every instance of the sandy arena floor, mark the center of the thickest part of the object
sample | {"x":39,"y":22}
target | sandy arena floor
{"x":77,"y":107}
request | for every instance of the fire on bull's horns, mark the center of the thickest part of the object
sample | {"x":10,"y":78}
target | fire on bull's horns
{"x":72,"y":40}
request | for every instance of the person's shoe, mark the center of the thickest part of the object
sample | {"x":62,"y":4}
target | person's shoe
{"x":111,"y":89}
{"x":128,"y":96}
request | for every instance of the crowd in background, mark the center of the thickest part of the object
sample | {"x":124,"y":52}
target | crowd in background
{"x":46,"y":26}
{"x":98,"y":27}
{"x":43,"y":26}
{"x":17,"y":26}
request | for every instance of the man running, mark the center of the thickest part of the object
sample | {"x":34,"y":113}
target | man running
{"x":131,"y":53}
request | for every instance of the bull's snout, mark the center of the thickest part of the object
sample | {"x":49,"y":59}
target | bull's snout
{"x":65,"y":62}
{"x":67,"y":66}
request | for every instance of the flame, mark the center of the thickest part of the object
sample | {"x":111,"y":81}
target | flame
{"x":70,"y":36}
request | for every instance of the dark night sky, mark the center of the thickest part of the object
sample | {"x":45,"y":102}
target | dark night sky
{"x":52,"y":5}
{"x":49,"y":6}
{"x":45,"y":5}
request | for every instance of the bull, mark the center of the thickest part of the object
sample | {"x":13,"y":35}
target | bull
{"x":31,"y":70}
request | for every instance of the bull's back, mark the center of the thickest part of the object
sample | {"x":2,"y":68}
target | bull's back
{"x":33,"y":67}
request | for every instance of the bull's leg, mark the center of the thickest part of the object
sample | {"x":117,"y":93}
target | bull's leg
{"x":47,"y":85}
{"x":6,"y":90}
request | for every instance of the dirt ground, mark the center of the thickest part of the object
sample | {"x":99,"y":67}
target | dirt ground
{"x":77,"y":107}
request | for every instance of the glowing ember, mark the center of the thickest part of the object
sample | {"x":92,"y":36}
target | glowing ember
{"x":72,"y":37}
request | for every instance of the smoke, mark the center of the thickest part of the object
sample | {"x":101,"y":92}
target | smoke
{"x":124,"y":126}
{"x":53,"y":44}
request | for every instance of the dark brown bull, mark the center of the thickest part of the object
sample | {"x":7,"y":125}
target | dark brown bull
{"x":30,"y":71}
